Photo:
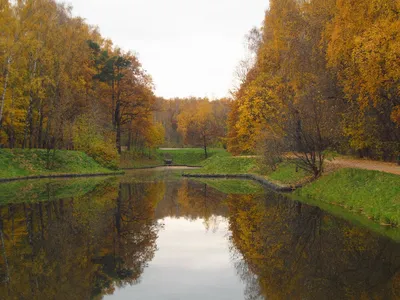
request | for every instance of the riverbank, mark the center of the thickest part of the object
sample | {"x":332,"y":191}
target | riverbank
{"x":372,"y":194}
{"x":190,"y":157}
{"x":266,"y":183}
{"x":285,"y":176}
{"x":18,"y":164}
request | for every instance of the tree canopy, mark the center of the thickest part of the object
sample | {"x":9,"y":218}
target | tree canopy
{"x":325,"y":77}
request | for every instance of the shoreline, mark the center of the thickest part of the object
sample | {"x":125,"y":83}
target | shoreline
{"x":67,"y":175}
{"x":160,"y":166}
{"x":300,"y":192}
{"x":266,"y":183}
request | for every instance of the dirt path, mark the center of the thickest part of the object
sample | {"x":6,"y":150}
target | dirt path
{"x":348,"y":162}
{"x":366,"y":164}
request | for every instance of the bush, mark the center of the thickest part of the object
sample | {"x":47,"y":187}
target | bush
{"x":271,"y":150}
{"x":92,"y":139}
{"x":104,"y":154}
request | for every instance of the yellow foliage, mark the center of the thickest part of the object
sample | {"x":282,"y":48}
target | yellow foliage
{"x":155,"y":135}
{"x":88,"y":137}
{"x":326,"y":69}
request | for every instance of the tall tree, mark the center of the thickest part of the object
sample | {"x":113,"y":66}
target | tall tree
{"x":199,"y":125}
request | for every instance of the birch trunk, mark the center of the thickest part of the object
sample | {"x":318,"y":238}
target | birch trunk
{"x":3,"y":95}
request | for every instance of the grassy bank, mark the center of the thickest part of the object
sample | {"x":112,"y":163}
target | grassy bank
{"x":233,"y":186}
{"x":190,"y":156}
{"x":285,"y":173}
{"x":373,"y":194}
{"x":370,"y":193}
{"x":181,"y":157}
{"x":132,"y":161}
{"x":21,"y":163}
{"x":228,"y":165}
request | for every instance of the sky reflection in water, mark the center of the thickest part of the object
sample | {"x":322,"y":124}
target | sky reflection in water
{"x":192,"y":262}
{"x":150,"y":237}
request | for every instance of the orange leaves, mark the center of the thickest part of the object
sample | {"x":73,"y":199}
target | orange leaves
{"x":364,"y":52}
{"x":396,"y":115}
{"x":53,"y":62}
{"x":199,"y":123}
{"x":314,"y":54}
{"x":155,"y":135}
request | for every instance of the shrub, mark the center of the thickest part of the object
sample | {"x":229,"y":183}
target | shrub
{"x":96,"y":142}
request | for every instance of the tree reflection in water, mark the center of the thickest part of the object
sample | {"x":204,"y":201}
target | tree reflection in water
{"x":285,"y":250}
{"x":77,"y":248}
{"x":88,"y":245}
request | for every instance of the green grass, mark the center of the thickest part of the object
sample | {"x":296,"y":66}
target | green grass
{"x":190,"y":156}
{"x":20,"y":163}
{"x":286,"y":173}
{"x":183,"y":157}
{"x":139,"y":162}
{"x":371,"y":193}
{"x":355,"y":218}
{"x":233,"y":186}
{"x":227,"y":165}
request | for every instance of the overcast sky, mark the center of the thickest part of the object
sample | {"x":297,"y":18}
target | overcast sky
{"x":190,"y":47}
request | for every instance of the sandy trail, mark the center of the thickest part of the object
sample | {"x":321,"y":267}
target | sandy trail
{"x":367,"y":165}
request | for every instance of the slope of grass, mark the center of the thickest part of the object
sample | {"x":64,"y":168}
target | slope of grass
{"x":139,"y":162}
{"x":234,"y":186}
{"x":286,"y":173}
{"x":371,"y":193}
{"x":228,"y":165}
{"x":20,"y":163}
{"x":190,"y":156}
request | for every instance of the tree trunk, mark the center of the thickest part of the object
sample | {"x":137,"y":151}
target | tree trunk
{"x":118,"y":126}
{"x":113,"y":103}
{"x":28,"y":124}
{"x":130,"y":136}
{"x":11,"y":136}
{"x":46,"y":140}
{"x":3,"y":96}
{"x":29,"y":114}
{"x":136,"y":140}
{"x":40,"y":132}
{"x":205,"y":146}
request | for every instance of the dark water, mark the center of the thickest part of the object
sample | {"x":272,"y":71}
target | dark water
{"x":145,"y":236}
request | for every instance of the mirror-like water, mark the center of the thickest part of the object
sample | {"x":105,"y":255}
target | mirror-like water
{"x":147,"y":236}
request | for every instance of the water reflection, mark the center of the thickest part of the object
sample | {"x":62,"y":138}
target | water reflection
{"x":77,"y":248}
{"x":300,"y":252}
{"x":126,"y":237}
{"x":191,"y":263}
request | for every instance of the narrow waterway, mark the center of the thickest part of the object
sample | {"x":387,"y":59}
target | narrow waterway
{"x":154,"y":235}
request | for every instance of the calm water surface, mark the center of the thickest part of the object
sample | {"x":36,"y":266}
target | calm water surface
{"x":149,"y":235}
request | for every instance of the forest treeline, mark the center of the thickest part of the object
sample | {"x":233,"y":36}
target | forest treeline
{"x":193,"y":121}
{"x":326,"y":76}
{"x":63,"y":86}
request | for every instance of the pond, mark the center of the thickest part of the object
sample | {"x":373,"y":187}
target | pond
{"x":153,"y":235}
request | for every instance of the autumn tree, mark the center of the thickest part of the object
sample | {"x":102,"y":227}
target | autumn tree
{"x":55,"y":69}
{"x":363,"y":50}
{"x":324,"y":78}
{"x":199,"y":124}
